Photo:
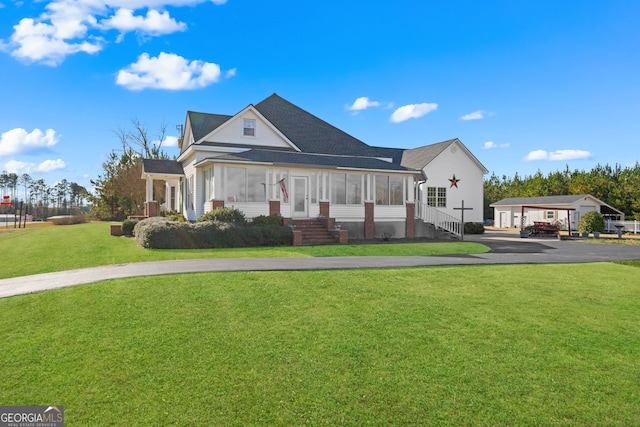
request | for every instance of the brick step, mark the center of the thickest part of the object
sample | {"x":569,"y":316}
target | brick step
{"x":314,"y":232}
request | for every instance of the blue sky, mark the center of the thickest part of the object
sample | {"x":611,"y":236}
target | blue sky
{"x":526,"y":85}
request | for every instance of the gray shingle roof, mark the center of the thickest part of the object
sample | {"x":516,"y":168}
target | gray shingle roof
{"x":310,"y":159}
{"x":417,"y":158}
{"x":542,"y":200}
{"x":202,"y":123}
{"x":309,"y":133}
{"x":162,"y":167}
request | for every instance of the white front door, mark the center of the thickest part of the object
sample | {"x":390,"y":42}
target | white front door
{"x":300,"y":197}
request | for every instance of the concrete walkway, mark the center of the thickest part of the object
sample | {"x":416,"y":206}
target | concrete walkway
{"x":506,"y":248}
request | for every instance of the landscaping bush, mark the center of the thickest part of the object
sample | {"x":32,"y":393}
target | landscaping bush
{"x":226,"y":215}
{"x":266,"y":220}
{"x":128,"y":226}
{"x":591,"y":222}
{"x":473,"y":228}
{"x":159,"y":233}
{"x":175,"y":216}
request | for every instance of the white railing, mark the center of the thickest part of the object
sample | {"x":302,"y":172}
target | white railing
{"x":629,"y":226}
{"x":438,"y":218}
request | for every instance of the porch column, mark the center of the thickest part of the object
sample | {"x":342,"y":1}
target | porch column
{"x":151,"y":209}
{"x":369,"y":225}
{"x":274,"y":207}
{"x":217,"y":203}
{"x":149,"y":189}
{"x":410,"y":231}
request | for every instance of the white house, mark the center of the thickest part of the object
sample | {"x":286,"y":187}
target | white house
{"x":276,"y":158}
{"x":564,"y":211}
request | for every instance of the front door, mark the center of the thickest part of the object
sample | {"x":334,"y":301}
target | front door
{"x":300,"y":197}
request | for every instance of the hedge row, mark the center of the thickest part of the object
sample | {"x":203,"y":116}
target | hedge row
{"x":160,"y":233}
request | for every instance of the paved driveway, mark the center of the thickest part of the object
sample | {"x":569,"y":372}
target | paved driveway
{"x":506,"y":248}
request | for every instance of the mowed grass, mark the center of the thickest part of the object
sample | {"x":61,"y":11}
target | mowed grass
{"x":59,"y":248}
{"x":515,"y":345}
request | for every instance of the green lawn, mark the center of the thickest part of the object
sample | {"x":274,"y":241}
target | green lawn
{"x":516,"y":345}
{"x":59,"y":248}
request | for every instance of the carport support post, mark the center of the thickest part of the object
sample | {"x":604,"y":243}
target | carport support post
{"x":462,"y":219}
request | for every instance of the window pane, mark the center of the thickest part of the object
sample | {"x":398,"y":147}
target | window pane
{"x":442,"y":197}
{"x":249,"y":127}
{"x":256,"y":185}
{"x":395,"y":190}
{"x":382,"y":190}
{"x":354,"y":189}
{"x":312,"y":185}
{"x":431,"y":196}
{"x":236,"y":185}
{"x":338,"y":188}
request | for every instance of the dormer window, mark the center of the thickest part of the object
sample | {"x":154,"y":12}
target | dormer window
{"x":249,"y":127}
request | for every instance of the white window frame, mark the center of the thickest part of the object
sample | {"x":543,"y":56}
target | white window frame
{"x":249,"y":128}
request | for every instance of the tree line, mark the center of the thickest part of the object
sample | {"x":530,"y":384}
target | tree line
{"x":617,"y":186}
{"x":40,"y":199}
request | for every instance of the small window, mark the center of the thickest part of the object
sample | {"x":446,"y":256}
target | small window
{"x":249,"y":127}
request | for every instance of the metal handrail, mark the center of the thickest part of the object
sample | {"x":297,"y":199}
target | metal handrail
{"x":438,"y":218}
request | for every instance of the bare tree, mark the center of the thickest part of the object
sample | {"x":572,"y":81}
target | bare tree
{"x":138,"y":139}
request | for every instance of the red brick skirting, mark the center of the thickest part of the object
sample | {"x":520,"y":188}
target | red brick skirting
{"x":369,"y":227}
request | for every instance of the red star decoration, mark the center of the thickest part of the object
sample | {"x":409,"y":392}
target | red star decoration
{"x":454,"y":181}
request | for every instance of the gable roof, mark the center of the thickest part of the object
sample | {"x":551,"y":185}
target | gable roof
{"x":312,"y":135}
{"x":418,"y":158}
{"x":309,"y":133}
{"x":203,"y":123}
{"x":543,"y":200}
{"x":161,"y":167}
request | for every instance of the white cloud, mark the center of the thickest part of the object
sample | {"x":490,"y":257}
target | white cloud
{"x":67,"y":27}
{"x":45,"y":43}
{"x":412,"y":111}
{"x":489,"y":145}
{"x":231,"y":73}
{"x":476,"y":115}
{"x":362,"y":103}
{"x":558,"y":155}
{"x":169,"y":141}
{"x":18,"y":167}
{"x":153,"y":24}
{"x":167,"y":71}
{"x":19,"y":140}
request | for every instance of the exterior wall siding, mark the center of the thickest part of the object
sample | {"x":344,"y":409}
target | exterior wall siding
{"x":470,"y":187}
{"x":232,"y":133}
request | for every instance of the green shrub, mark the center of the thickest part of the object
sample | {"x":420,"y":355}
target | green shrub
{"x":226,"y":215}
{"x":473,"y":228}
{"x":591,"y":222}
{"x":175,"y":216}
{"x":128,"y":226}
{"x":159,"y":233}
{"x":266,"y":220}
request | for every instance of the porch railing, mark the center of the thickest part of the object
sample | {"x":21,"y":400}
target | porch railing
{"x":438,"y":218}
